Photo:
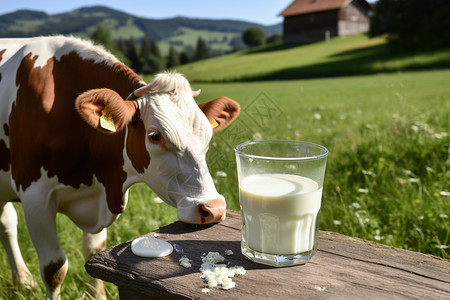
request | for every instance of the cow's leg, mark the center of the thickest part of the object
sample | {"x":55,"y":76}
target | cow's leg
{"x":41,"y":222}
{"x":93,"y":243}
{"x":8,"y":236}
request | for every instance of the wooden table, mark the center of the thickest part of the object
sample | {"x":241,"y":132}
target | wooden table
{"x":343,"y":268}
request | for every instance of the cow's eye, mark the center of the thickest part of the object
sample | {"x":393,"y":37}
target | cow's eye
{"x":155,"y":136}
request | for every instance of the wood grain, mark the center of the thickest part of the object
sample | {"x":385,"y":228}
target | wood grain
{"x":343,"y":268}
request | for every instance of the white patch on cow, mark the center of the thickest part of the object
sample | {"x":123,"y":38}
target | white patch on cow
{"x":178,"y":173}
{"x":86,"y":206}
{"x":54,"y":47}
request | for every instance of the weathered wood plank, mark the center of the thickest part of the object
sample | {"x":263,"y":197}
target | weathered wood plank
{"x":343,"y":268}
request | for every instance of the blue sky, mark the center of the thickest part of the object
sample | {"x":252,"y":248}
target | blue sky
{"x":259,"y":11}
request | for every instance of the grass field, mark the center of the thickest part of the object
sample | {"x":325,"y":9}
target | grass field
{"x":387,"y":176}
{"x":354,"y":55}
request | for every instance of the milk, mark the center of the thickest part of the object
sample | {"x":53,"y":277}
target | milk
{"x":279,"y":213}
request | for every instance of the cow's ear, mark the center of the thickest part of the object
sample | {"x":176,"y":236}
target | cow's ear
{"x":220,"y":111}
{"x":105,"y":110}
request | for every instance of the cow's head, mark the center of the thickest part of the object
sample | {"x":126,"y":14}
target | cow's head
{"x":177,"y":134}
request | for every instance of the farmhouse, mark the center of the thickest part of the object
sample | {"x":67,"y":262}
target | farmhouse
{"x":308,"y":21}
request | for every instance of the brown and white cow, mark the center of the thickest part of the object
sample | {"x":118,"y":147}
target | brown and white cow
{"x":56,"y":156}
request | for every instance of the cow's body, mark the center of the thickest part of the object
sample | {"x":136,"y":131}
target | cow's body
{"x":52,"y":92}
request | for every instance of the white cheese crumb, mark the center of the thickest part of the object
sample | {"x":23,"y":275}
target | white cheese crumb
{"x":229,"y":252}
{"x":217,"y":274}
{"x":185,"y":262}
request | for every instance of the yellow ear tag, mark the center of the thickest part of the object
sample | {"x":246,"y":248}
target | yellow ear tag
{"x":106,"y":121}
{"x":213,"y":123}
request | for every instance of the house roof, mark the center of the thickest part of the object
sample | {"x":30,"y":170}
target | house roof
{"x":300,"y":7}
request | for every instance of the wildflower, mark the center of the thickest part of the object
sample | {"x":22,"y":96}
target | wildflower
{"x":337,"y":222}
{"x":297,"y":134}
{"x":369,"y":173}
{"x":440,"y":135}
{"x":356,"y":205}
{"x":371,"y":126}
{"x":444,"y":193}
{"x":221,"y":174}
{"x":441,"y":246}
{"x":257,"y":136}
{"x":158,"y":200}
{"x":317,"y":116}
{"x":206,"y":290}
{"x":364,"y":191}
{"x":377,"y":235}
{"x":444,"y":216}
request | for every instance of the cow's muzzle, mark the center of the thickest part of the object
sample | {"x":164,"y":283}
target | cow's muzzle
{"x":212,"y":212}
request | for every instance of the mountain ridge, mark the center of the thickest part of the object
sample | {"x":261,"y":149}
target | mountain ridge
{"x":81,"y":21}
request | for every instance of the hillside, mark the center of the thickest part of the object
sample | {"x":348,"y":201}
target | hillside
{"x":342,"y":56}
{"x":81,"y":22}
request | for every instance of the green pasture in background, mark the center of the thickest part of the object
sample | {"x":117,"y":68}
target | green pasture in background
{"x":344,"y":56}
{"x":387,"y":177}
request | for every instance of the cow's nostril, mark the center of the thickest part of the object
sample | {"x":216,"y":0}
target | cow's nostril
{"x":204,"y":213}
{"x":212,"y":212}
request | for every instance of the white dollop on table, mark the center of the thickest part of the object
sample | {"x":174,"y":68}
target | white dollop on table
{"x":150,"y":247}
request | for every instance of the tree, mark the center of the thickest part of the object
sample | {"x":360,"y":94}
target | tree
{"x":274,"y":38}
{"x":201,"y":51}
{"x":150,"y":63}
{"x":102,"y":36}
{"x":254,"y":36}
{"x":154,"y":49}
{"x":132,"y":55}
{"x":173,"y":59}
{"x":412,"y":24}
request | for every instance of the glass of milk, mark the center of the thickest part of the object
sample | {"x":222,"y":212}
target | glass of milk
{"x":280,"y":192}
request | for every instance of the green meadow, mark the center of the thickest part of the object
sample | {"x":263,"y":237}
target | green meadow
{"x":388,"y":170}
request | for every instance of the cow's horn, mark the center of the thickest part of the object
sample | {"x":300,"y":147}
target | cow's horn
{"x":140,"y":92}
{"x":147,"y":89}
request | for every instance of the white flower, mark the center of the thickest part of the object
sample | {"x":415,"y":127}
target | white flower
{"x":442,"y":246}
{"x":221,"y":174}
{"x":444,"y":216}
{"x":441,"y":135}
{"x":369,"y":173}
{"x":356,"y":205}
{"x":206,"y":290}
{"x":317,"y":116}
{"x":444,"y":193}
{"x":337,"y":222}
{"x":364,"y":191}
{"x":257,"y":136}
{"x":158,"y":200}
